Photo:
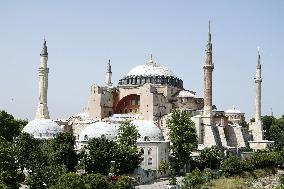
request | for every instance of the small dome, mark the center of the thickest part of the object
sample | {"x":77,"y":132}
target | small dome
{"x":148,"y":130}
{"x":42,"y":128}
{"x":150,"y":69}
{"x":233,"y":111}
{"x":99,"y":129}
{"x":186,"y":93}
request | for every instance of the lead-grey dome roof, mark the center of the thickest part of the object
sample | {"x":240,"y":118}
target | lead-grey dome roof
{"x":147,"y":129}
{"x":42,"y":128}
{"x":99,"y":129}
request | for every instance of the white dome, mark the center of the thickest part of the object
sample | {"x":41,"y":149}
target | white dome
{"x":150,"y":69}
{"x":99,"y":129}
{"x":148,"y":130}
{"x":233,"y":111}
{"x":42,"y":128}
{"x":186,"y":93}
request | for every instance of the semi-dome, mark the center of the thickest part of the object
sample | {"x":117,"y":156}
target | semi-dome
{"x":42,"y":128}
{"x":98,"y":130}
{"x":148,"y":130}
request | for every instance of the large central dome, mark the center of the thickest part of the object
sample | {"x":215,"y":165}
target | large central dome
{"x":151,"y":69}
{"x":153,"y":73}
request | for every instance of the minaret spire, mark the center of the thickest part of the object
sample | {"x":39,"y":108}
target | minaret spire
{"x":258,"y":81}
{"x":108,"y":75}
{"x":42,"y":110}
{"x":208,"y":69}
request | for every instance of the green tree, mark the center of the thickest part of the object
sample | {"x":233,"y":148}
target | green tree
{"x":28,"y":152}
{"x":276,"y":134}
{"x":128,"y":134}
{"x":193,"y":180}
{"x":267,"y":121}
{"x":9,"y":175}
{"x":96,"y":181}
{"x":60,"y":151}
{"x":126,"y":159}
{"x":69,"y":181}
{"x":43,"y":159}
{"x":183,"y":137}
{"x":9,"y":126}
{"x":123,"y":182}
{"x":98,"y":156}
{"x":232,"y":166}
{"x":164,"y":167}
{"x":209,"y":158}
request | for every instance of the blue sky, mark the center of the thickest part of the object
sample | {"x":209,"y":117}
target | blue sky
{"x":83,"y":35}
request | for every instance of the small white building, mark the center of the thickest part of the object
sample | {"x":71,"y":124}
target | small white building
{"x":151,"y":144}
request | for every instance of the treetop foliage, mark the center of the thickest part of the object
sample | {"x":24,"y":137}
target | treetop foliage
{"x":128,"y":133}
{"x":183,"y":137}
{"x":9,"y":126}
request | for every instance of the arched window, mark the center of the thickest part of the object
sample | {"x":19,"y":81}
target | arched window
{"x":142,"y":150}
{"x":149,"y":151}
{"x":150,"y":161}
{"x":146,"y":138}
{"x":86,"y":137}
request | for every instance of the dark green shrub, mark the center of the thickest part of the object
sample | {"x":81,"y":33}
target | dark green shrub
{"x":193,"y":180}
{"x":209,"y":158}
{"x":232,"y":166}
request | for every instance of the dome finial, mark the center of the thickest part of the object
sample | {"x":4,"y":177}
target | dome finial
{"x":151,"y":61}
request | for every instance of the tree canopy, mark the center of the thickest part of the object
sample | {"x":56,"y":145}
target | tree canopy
{"x":209,"y":157}
{"x":9,"y":126}
{"x":183,"y":137}
{"x":9,"y":175}
{"x":128,"y":134}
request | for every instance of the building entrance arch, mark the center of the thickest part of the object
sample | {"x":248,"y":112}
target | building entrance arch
{"x":128,"y":104}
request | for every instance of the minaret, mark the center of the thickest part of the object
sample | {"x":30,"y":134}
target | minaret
{"x":257,"y":127}
{"x":109,"y":75}
{"x":258,"y":81}
{"x":42,"y":110}
{"x":208,"y":69}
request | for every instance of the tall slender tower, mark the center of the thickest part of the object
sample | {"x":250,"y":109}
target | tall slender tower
{"x":208,"y":69}
{"x":109,"y":75}
{"x":257,"y":127}
{"x":42,"y":109}
{"x":258,"y":81}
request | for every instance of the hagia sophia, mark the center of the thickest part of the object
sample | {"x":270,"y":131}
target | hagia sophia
{"x":146,"y":96}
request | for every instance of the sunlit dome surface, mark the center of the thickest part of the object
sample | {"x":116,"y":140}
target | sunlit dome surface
{"x":150,"y":69}
{"x":233,"y":111}
{"x":186,"y":93}
{"x":148,"y":130}
{"x":42,"y":128}
{"x":98,"y":130}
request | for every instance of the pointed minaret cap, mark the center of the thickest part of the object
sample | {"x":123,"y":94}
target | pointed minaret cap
{"x":209,"y":44}
{"x":44,"y":49}
{"x":258,"y":66}
{"x":108,"y":67}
